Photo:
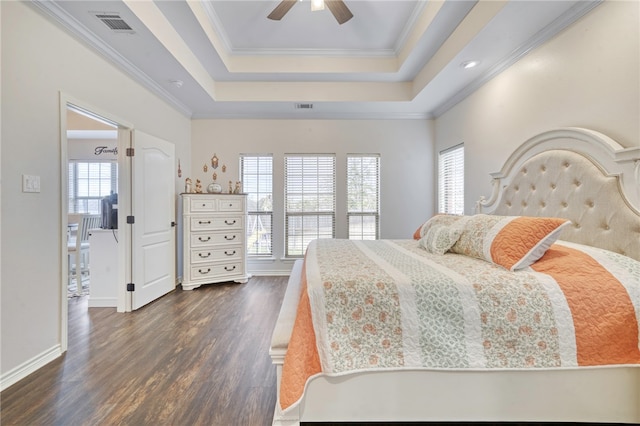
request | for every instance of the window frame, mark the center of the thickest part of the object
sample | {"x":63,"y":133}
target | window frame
{"x":304,"y":215}
{"x":363,"y":213}
{"x":75,"y":201}
{"x":451,"y":180}
{"x":258,"y":213}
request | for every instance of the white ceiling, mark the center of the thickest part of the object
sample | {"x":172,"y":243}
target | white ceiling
{"x":393,"y":59}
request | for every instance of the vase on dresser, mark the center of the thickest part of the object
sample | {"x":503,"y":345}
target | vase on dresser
{"x":214,"y":239}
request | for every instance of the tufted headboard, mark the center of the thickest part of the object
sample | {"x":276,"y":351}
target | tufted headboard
{"x":576,"y":174}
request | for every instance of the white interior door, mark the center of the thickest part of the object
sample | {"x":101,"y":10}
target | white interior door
{"x":153,"y":230}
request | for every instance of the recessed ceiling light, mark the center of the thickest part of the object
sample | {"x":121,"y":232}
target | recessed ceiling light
{"x":176,"y":83}
{"x":469,"y":64}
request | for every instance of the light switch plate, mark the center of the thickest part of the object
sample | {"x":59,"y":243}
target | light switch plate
{"x":30,"y":183}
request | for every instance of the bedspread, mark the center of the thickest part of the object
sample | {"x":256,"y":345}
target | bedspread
{"x":385,"y":304}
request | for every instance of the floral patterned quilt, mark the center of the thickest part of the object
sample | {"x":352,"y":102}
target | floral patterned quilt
{"x":388,"y":304}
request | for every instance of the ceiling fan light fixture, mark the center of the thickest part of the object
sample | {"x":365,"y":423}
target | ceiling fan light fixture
{"x":338,"y":9}
{"x":317,"y":5}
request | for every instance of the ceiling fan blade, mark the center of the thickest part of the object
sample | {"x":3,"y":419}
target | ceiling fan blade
{"x":281,"y":9}
{"x":340,"y":10}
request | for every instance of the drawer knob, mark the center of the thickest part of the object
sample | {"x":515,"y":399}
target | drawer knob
{"x":226,"y":268}
{"x":202,"y":222}
{"x":204,"y":240}
{"x":230,"y":223}
{"x":204,"y":256}
{"x":226,"y":237}
{"x":229,"y":254}
{"x":205,"y":272}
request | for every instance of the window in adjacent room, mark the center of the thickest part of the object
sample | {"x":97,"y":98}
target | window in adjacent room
{"x":363,"y":196}
{"x":451,"y":180}
{"x":256,"y":172}
{"x":310,"y":182}
{"x":89,"y":182}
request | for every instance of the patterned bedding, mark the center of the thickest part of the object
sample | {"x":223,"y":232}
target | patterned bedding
{"x":389,"y":304}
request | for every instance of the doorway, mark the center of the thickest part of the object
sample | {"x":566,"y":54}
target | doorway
{"x":81,"y":122}
{"x":92,"y":191}
{"x":146,"y":212}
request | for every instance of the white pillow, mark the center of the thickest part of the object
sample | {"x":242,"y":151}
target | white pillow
{"x":440,"y":238}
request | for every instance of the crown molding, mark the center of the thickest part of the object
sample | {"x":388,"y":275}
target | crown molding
{"x":406,"y":31}
{"x":569,"y":17}
{"x":305,"y":115}
{"x":218,"y":27}
{"x":358,"y":53}
{"x":81,"y":33}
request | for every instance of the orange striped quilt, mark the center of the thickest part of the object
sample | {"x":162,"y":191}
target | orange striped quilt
{"x":369,"y":305}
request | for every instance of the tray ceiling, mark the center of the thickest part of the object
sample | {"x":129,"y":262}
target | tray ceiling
{"x":393,"y":59}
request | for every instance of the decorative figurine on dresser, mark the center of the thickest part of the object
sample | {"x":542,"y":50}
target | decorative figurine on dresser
{"x":214,"y":244}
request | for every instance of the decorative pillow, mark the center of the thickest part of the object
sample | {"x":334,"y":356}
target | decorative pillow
{"x":513,"y":242}
{"x":440,"y":238}
{"x":416,"y":234}
{"x":438,"y":219}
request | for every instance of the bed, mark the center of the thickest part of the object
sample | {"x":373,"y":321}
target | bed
{"x":527,"y":349}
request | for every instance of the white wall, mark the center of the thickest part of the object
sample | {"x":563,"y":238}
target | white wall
{"x":405,"y":147}
{"x":92,"y":149}
{"x":38,"y":61}
{"x":587,"y":76}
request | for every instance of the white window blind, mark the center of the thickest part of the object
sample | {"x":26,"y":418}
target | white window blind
{"x":451,"y":180}
{"x":256,"y":172}
{"x":89,"y":182}
{"x":363,"y":196}
{"x":310,"y":200}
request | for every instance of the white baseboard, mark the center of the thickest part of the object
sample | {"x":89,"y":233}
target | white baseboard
{"x":270,"y":273}
{"x":23,"y":370}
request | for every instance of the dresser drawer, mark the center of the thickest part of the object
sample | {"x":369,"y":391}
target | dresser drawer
{"x":202,"y":205}
{"x":208,"y":272}
{"x":210,"y":223}
{"x":201,"y":239}
{"x":214,"y":254}
{"x":230,"y":205}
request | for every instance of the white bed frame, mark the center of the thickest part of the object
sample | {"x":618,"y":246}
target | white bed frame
{"x":604,"y":215}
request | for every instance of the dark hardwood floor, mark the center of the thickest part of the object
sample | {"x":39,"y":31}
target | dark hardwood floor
{"x":190,"y":358}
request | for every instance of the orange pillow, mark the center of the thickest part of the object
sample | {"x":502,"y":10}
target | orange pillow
{"x":416,"y":235}
{"x":513,"y":242}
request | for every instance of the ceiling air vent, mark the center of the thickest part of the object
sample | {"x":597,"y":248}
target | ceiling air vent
{"x":304,"y":106}
{"x":114,"y":22}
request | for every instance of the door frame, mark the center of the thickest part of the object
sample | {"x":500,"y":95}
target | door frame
{"x":124,"y":184}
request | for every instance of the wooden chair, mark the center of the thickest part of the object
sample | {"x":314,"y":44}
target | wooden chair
{"x":78,"y":249}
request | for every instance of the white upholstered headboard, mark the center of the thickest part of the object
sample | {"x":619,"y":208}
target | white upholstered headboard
{"x":576,"y":174}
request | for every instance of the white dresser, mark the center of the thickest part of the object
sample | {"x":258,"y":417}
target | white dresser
{"x":214,"y":240}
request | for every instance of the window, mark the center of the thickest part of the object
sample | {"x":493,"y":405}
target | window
{"x":310,"y":200}
{"x":257,"y":182}
{"x":89,"y":182}
{"x":363,"y":195}
{"x":451,"y":180}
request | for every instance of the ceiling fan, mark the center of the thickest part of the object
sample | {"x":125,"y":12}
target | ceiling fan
{"x":337,"y":7}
